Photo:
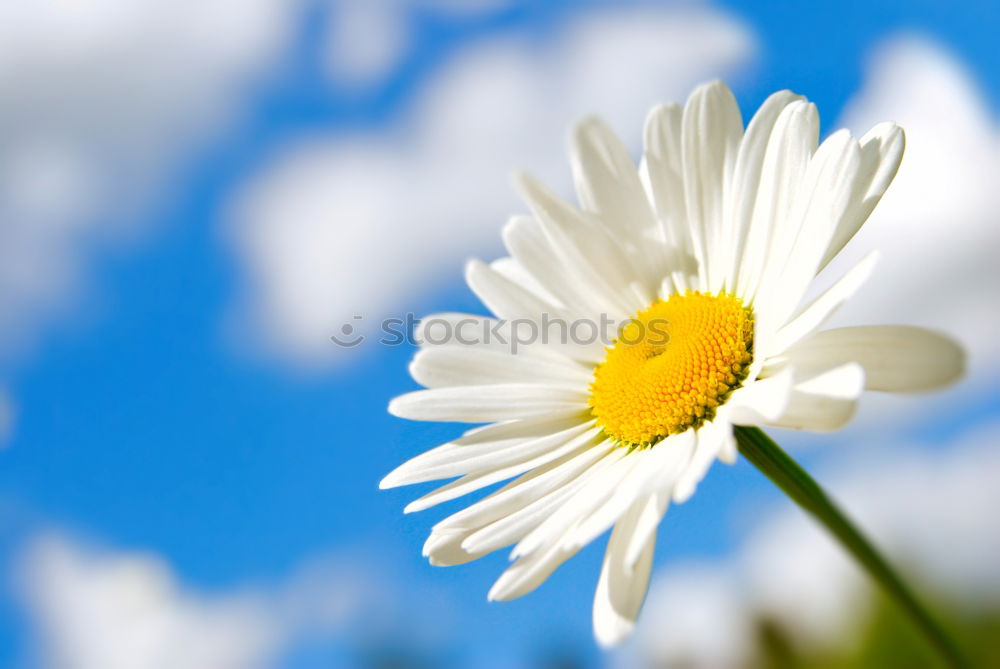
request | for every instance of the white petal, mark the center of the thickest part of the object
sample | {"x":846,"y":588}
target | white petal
{"x":794,"y":205}
{"x":728,"y":452}
{"x":622,"y":586}
{"x":530,"y":428}
{"x":444,"y":549}
{"x":608,"y":185}
{"x":451,"y":460}
{"x":788,"y":151}
{"x":668,"y":460}
{"x":800,"y":241}
{"x":654,"y":470}
{"x":635,"y":482}
{"x":583,"y":247}
{"x":662,"y":174}
{"x":746,"y":181}
{"x":526,"y":242}
{"x":506,"y":299}
{"x":614,"y":469}
{"x":516,"y":524}
{"x":454,"y":329}
{"x":528,"y":573}
{"x":881,"y":150}
{"x":709,"y":441}
{"x":441,"y":367}
{"x":525,"y":490}
{"x":760,"y":401}
{"x":894,"y":358}
{"x":484,"y":404}
{"x":811,"y":317}
{"x":825,"y":402}
{"x":530,"y":570}
{"x":649,"y":519}
{"x":711,"y":129}
{"x":606,"y":178}
{"x":558,"y":446}
{"x":511,"y":269}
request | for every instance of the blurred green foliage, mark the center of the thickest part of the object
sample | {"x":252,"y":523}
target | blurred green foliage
{"x":886,"y":638}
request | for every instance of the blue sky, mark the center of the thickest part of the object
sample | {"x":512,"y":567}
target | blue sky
{"x":140,"y":425}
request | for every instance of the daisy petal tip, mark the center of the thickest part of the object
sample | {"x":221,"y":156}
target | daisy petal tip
{"x":729,"y":455}
{"x":413,"y":369}
{"x":944,"y":364}
{"x":513,"y":225}
{"x":524,"y":185}
{"x":587,"y":126}
{"x":887,"y":132}
{"x":397,"y":406}
{"x":611,"y":628}
{"x":473,"y":266}
{"x":414,"y":506}
{"x":660,"y":110}
{"x":469,"y":545}
{"x":521,"y":180}
{"x":845,"y":419}
{"x":683,"y":493}
{"x":499,"y":592}
{"x":950,"y":363}
{"x":390,"y":480}
{"x":713,"y":87}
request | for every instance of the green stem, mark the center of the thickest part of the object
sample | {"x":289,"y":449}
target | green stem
{"x":784,"y":472}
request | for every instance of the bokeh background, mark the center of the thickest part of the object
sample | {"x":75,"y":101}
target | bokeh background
{"x":195,"y":194}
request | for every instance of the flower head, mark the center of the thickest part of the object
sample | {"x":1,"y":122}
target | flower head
{"x":704,"y":252}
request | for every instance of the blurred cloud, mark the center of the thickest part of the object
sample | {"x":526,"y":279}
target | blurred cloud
{"x":932,"y":516}
{"x":99,"y":100}
{"x":105,"y":611}
{"x":343,"y":226}
{"x":700,"y":616}
{"x":365,"y":41}
{"x":938,"y":226}
{"x":97,"y":609}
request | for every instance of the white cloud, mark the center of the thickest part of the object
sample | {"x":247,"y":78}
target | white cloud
{"x":98,"y":102}
{"x":97,"y":609}
{"x":466,"y":7}
{"x":937,"y":226}
{"x":365,"y":41}
{"x":101,"y":611}
{"x":695,"y":607}
{"x":928,"y":508}
{"x":357,"y":225}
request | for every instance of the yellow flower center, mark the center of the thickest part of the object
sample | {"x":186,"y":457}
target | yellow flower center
{"x":671,"y":366}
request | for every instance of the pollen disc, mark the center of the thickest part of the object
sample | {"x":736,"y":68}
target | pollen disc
{"x":672,"y":366}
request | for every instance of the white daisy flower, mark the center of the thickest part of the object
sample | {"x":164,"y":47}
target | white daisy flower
{"x":709,"y":246}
